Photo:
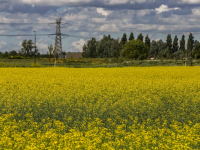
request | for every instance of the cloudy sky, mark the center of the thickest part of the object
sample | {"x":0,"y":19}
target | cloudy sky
{"x":95,"y":18}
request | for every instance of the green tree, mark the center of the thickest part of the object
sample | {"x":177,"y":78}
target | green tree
{"x":157,"y":47}
{"x":64,"y":54}
{"x":175,"y":44}
{"x":169,"y":43}
{"x":89,"y":50}
{"x":140,"y":37}
{"x":190,"y":44}
{"x":124,"y":39}
{"x":182,"y":43}
{"x":5,"y":55}
{"x":108,"y":47}
{"x":131,"y":37}
{"x":13,"y":53}
{"x":196,"y":53}
{"x":154,"y":49}
{"x":135,"y":49}
{"x":50,"y":51}
{"x":92,"y":48}
{"x":85,"y":52}
{"x":27,"y":47}
{"x":147,"y":41}
{"x":161,"y":45}
{"x":115,"y":48}
{"x":164,"y":53}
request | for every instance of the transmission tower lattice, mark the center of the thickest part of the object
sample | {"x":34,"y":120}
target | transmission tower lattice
{"x":58,"y":40}
{"x":58,"y":37}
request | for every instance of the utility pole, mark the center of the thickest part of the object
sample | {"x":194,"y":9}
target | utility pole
{"x":35,"y":49}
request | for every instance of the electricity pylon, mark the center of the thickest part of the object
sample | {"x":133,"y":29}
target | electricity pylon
{"x":58,"y":38}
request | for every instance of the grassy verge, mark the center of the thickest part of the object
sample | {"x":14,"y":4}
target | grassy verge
{"x":92,"y":63}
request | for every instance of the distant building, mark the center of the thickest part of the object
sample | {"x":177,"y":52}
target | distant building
{"x":74,"y":55}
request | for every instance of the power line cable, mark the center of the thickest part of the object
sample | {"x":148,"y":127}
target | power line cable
{"x":50,"y":35}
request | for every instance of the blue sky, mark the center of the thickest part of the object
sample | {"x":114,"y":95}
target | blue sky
{"x":95,"y":18}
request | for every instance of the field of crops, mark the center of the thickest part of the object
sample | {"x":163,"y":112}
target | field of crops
{"x":100,"y":108}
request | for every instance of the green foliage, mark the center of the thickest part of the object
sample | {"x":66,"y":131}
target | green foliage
{"x":89,"y":50}
{"x":124,"y":39}
{"x":190,"y":44}
{"x":27,"y":48}
{"x":175,"y":44}
{"x":108,"y":47}
{"x":16,"y":57}
{"x":154,"y":49}
{"x":13,"y":53}
{"x":50,"y":51}
{"x":135,"y":49}
{"x":196,"y":52}
{"x":147,"y":41}
{"x":158,"y":47}
{"x":164,"y":53}
{"x":169,"y":43}
{"x":182,"y":43}
{"x":131,"y":37}
{"x":179,"y":54}
{"x":140,"y":37}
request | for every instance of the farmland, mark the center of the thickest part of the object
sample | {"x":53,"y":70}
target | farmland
{"x":100,"y":108}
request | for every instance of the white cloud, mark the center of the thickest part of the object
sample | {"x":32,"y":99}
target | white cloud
{"x":43,"y":47}
{"x":196,"y":11}
{"x":2,"y":43}
{"x":19,"y":37}
{"x":84,"y":33}
{"x":109,"y":27}
{"x":74,"y":17}
{"x":103,"y":12}
{"x":164,"y":8}
{"x":98,"y":20}
{"x":138,"y":1}
{"x":189,"y":1}
{"x":77,"y":46}
{"x":114,"y":2}
{"x":52,"y":2}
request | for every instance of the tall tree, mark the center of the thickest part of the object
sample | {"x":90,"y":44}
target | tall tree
{"x":154,"y":49}
{"x":104,"y":47}
{"x":182,"y":43}
{"x":85,"y":51}
{"x":30,"y":48}
{"x":175,"y":44}
{"x":190,"y":43}
{"x":169,"y":43}
{"x":140,"y":37}
{"x":115,"y":48}
{"x":27,"y":47}
{"x":124,"y":39}
{"x":91,"y":46}
{"x":131,"y":37}
{"x":147,"y":41}
{"x":196,"y":52}
{"x":50,"y":52}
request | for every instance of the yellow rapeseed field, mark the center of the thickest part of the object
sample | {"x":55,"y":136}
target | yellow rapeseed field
{"x":100,"y":108}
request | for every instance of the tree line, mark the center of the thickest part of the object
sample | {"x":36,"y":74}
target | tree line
{"x":27,"y":51}
{"x":141,"y":48}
